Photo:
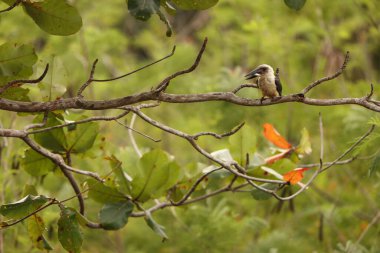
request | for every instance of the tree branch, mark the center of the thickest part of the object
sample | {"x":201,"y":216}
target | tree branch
{"x":328,"y":78}
{"x":18,"y":83}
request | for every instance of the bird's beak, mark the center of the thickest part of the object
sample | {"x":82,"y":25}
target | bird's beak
{"x":254,"y":73}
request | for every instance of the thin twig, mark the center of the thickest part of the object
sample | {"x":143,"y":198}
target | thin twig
{"x":165,"y":83}
{"x":91,"y":119}
{"x":89,"y":80}
{"x":375,"y":219}
{"x":130,"y":134}
{"x":350,"y":148}
{"x":138,"y":132}
{"x":139,"y":69}
{"x":193,"y":187}
{"x":37,"y":125}
{"x":11,"y":7}
{"x":220,"y":136}
{"x":20,"y":82}
{"x":246,"y":85}
{"x":328,"y":78}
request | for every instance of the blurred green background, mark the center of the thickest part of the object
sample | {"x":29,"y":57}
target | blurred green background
{"x":305,"y":45}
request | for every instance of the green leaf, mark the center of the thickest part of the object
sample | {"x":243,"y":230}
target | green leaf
{"x":55,"y":139}
{"x":157,"y":228}
{"x":16,"y":61}
{"x":305,"y":146}
{"x":23,"y":207}
{"x":56,"y":17}
{"x":375,"y":166}
{"x":69,"y":234}
{"x":83,"y":137}
{"x":36,"y":164}
{"x":295,"y":4}
{"x":104,"y":194}
{"x":16,"y":93}
{"x":156,"y":174}
{"x":115,"y":215}
{"x":258,"y":194}
{"x":143,"y":10}
{"x":36,"y":227}
{"x":195,"y":4}
{"x":122,"y":183}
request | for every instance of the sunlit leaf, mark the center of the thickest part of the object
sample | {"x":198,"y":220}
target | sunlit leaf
{"x":294,"y":176}
{"x":69,"y":234}
{"x":36,"y":227}
{"x":273,"y":136}
{"x":121,"y":177}
{"x":195,"y":4}
{"x":36,"y":164}
{"x":56,"y":17}
{"x":305,"y":146}
{"x":115,"y":215}
{"x":102,"y":193}
{"x":23,"y":207}
{"x":157,"y":228}
{"x":295,"y":4}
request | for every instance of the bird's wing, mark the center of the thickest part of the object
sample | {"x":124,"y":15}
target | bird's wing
{"x":278,"y":86}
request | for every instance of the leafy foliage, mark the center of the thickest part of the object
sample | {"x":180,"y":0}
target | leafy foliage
{"x":69,"y":233}
{"x":114,"y":216}
{"x":23,"y":207}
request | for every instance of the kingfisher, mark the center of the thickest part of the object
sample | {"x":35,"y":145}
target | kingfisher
{"x":266,"y":81}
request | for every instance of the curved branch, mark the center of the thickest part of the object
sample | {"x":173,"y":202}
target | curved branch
{"x":165,"y":83}
{"x":136,"y":70}
{"x":328,"y":78}
{"x":18,"y":83}
{"x":11,"y":7}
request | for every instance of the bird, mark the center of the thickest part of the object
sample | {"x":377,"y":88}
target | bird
{"x":266,"y":80}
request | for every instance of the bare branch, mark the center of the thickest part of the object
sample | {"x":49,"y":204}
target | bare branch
{"x":328,"y":78}
{"x":89,"y":80}
{"x":18,"y":83}
{"x":194,"y":186}
{"x":227,"y":165}
{"x":11,"y":7}
{"x":375,"y":219}
{"x":138,"y":132}
{"x":55,"y":158}
{"x":165,"y":83}
{"x":350,"y":148}
{"x":137,"y":70}
{"x":37,"y":125}
{"x":246,"y":85}
{"x":91,"y":119}
{"x":219,"y":136}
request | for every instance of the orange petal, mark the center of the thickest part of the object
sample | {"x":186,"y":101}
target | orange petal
{"x":273,"y":136}
{"x":294,"y":176}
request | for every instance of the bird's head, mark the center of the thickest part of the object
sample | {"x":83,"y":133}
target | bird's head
{"x":261,"y":70}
